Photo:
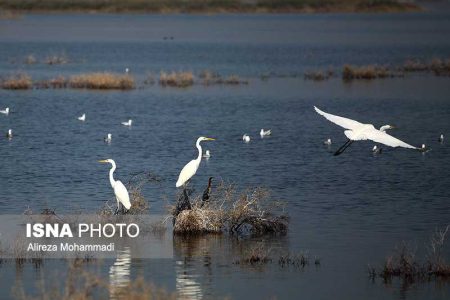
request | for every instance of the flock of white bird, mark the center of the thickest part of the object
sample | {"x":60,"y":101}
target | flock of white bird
{"x":355,"y":131}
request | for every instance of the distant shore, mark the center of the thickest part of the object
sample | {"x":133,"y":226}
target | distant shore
{"x":207,"y":6}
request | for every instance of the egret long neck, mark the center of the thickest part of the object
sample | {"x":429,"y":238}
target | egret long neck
{"x":111,"y":172}
{"x":199,"y":158}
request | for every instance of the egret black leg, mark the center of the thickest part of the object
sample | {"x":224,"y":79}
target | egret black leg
{"x":343,"y":147}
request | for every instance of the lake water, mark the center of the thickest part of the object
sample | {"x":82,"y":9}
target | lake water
{"x":351,"y":210}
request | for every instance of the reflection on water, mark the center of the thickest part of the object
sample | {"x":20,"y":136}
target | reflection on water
{"x":119,"y":273}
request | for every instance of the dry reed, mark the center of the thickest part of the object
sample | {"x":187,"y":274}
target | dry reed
{"x":102,"y":80}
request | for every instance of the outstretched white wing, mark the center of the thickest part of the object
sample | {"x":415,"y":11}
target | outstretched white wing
{"x":343,"y":122}
{"x":122,"y":194}
{"x":386,"y":139}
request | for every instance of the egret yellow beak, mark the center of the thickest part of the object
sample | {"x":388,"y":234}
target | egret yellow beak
{"x":210,"y":139}
{"x":103,"y":161}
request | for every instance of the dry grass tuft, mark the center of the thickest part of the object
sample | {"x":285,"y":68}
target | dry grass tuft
{"x":318,"y":75}
{"x":58,"y":82}
{"x":257,"y":255}
{"x":367,"y":72}
{"x":17,"y":82}
{"x":102,"y":81}
{"x":176,"y":79}
{"x":82,"y":283}
{"x":404,"y":263}
{"x":252,"y":212}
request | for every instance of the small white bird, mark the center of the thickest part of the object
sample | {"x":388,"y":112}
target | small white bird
{"x":120,"y":191}
{"x":376,"y":150}
{"x":264,"y":133}
{"x":424,"y":148}
{"x":9,"y":134}
{"x":441,"y":139}
{"x":5,"y":111}
{"x":191,"y":167}
{"x":82,"y":118}
{"x":127,"y":70}
{"x":207,"y":154}
{"x":128,"y":123}
{"x":108,"y":138}
{"x":356,"y":131}
{"x":327,"y":142}
{"x":246,"y":138}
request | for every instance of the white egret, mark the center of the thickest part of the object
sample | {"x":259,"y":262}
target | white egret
{"x":246,"y":138}
{"x":128,"y":123}
{"x":264,"y":133}
{"x":9,"y":134}
{"x":376,"y":150}
{"x":441,"y":139}
{"x":327,"y":142}
{"x":82,"y":118}
{"x":5,"y":111}
{"x":108,"y":138}
{"x":191,"y":167}
{"x":127,"y":70}
{"x":207,"y":154}
{"x":357,"y":131}
{"x":120,"y":190}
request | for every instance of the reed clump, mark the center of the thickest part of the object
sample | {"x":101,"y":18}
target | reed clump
{"x":405,"y":264}
{"x":58,"y":82}
{"x":19,"y":81}
{"x":176,"y":79}
{"x":82,"y":283}
{"x":251,"y":212}
{"x":318,"y":75}
{"x":103,"y":81}
{"x":368,"y":72}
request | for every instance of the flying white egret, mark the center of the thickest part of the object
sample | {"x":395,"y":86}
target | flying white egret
{"x":264,"y":133}
{"x":327,"y":142}
{"x":207,"y":154}
{"x":191,"y":167}
{"x":128,"y":123}
{"x":357,"y":131}
{"x":5,"y":111}
{"x":246,"y":138}
{"x":108,"y":138}
{"x":9,"y":134}
{"x":120,"y":190}
{"x":376,"y":150}
{"x":441,"y":139}
{"x":82,"y":118}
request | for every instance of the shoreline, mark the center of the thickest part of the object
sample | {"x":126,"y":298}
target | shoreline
{"x":19,"y":8}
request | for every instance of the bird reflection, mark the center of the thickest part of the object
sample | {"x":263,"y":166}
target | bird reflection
{"x":119,"y":274}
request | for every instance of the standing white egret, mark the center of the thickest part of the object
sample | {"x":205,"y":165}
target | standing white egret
{"x":246,"y":138}
{"x":441,"y":138}
{"x":82,"y":118}
{"x":108,"y":138}
{"x":357,"y":131}
{"x":9,"y":134}
{"x":128,"y":123}
{"x":120,"y":190}
{"x":207,"y":154}
{"x":191,"y":167}
{"x":327,"y":142}
{"x":127,"y":70}
{"x":264,"y":133}
{"x":5,"y":111}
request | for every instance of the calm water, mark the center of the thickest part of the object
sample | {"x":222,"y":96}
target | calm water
{"x":349,"y":210}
